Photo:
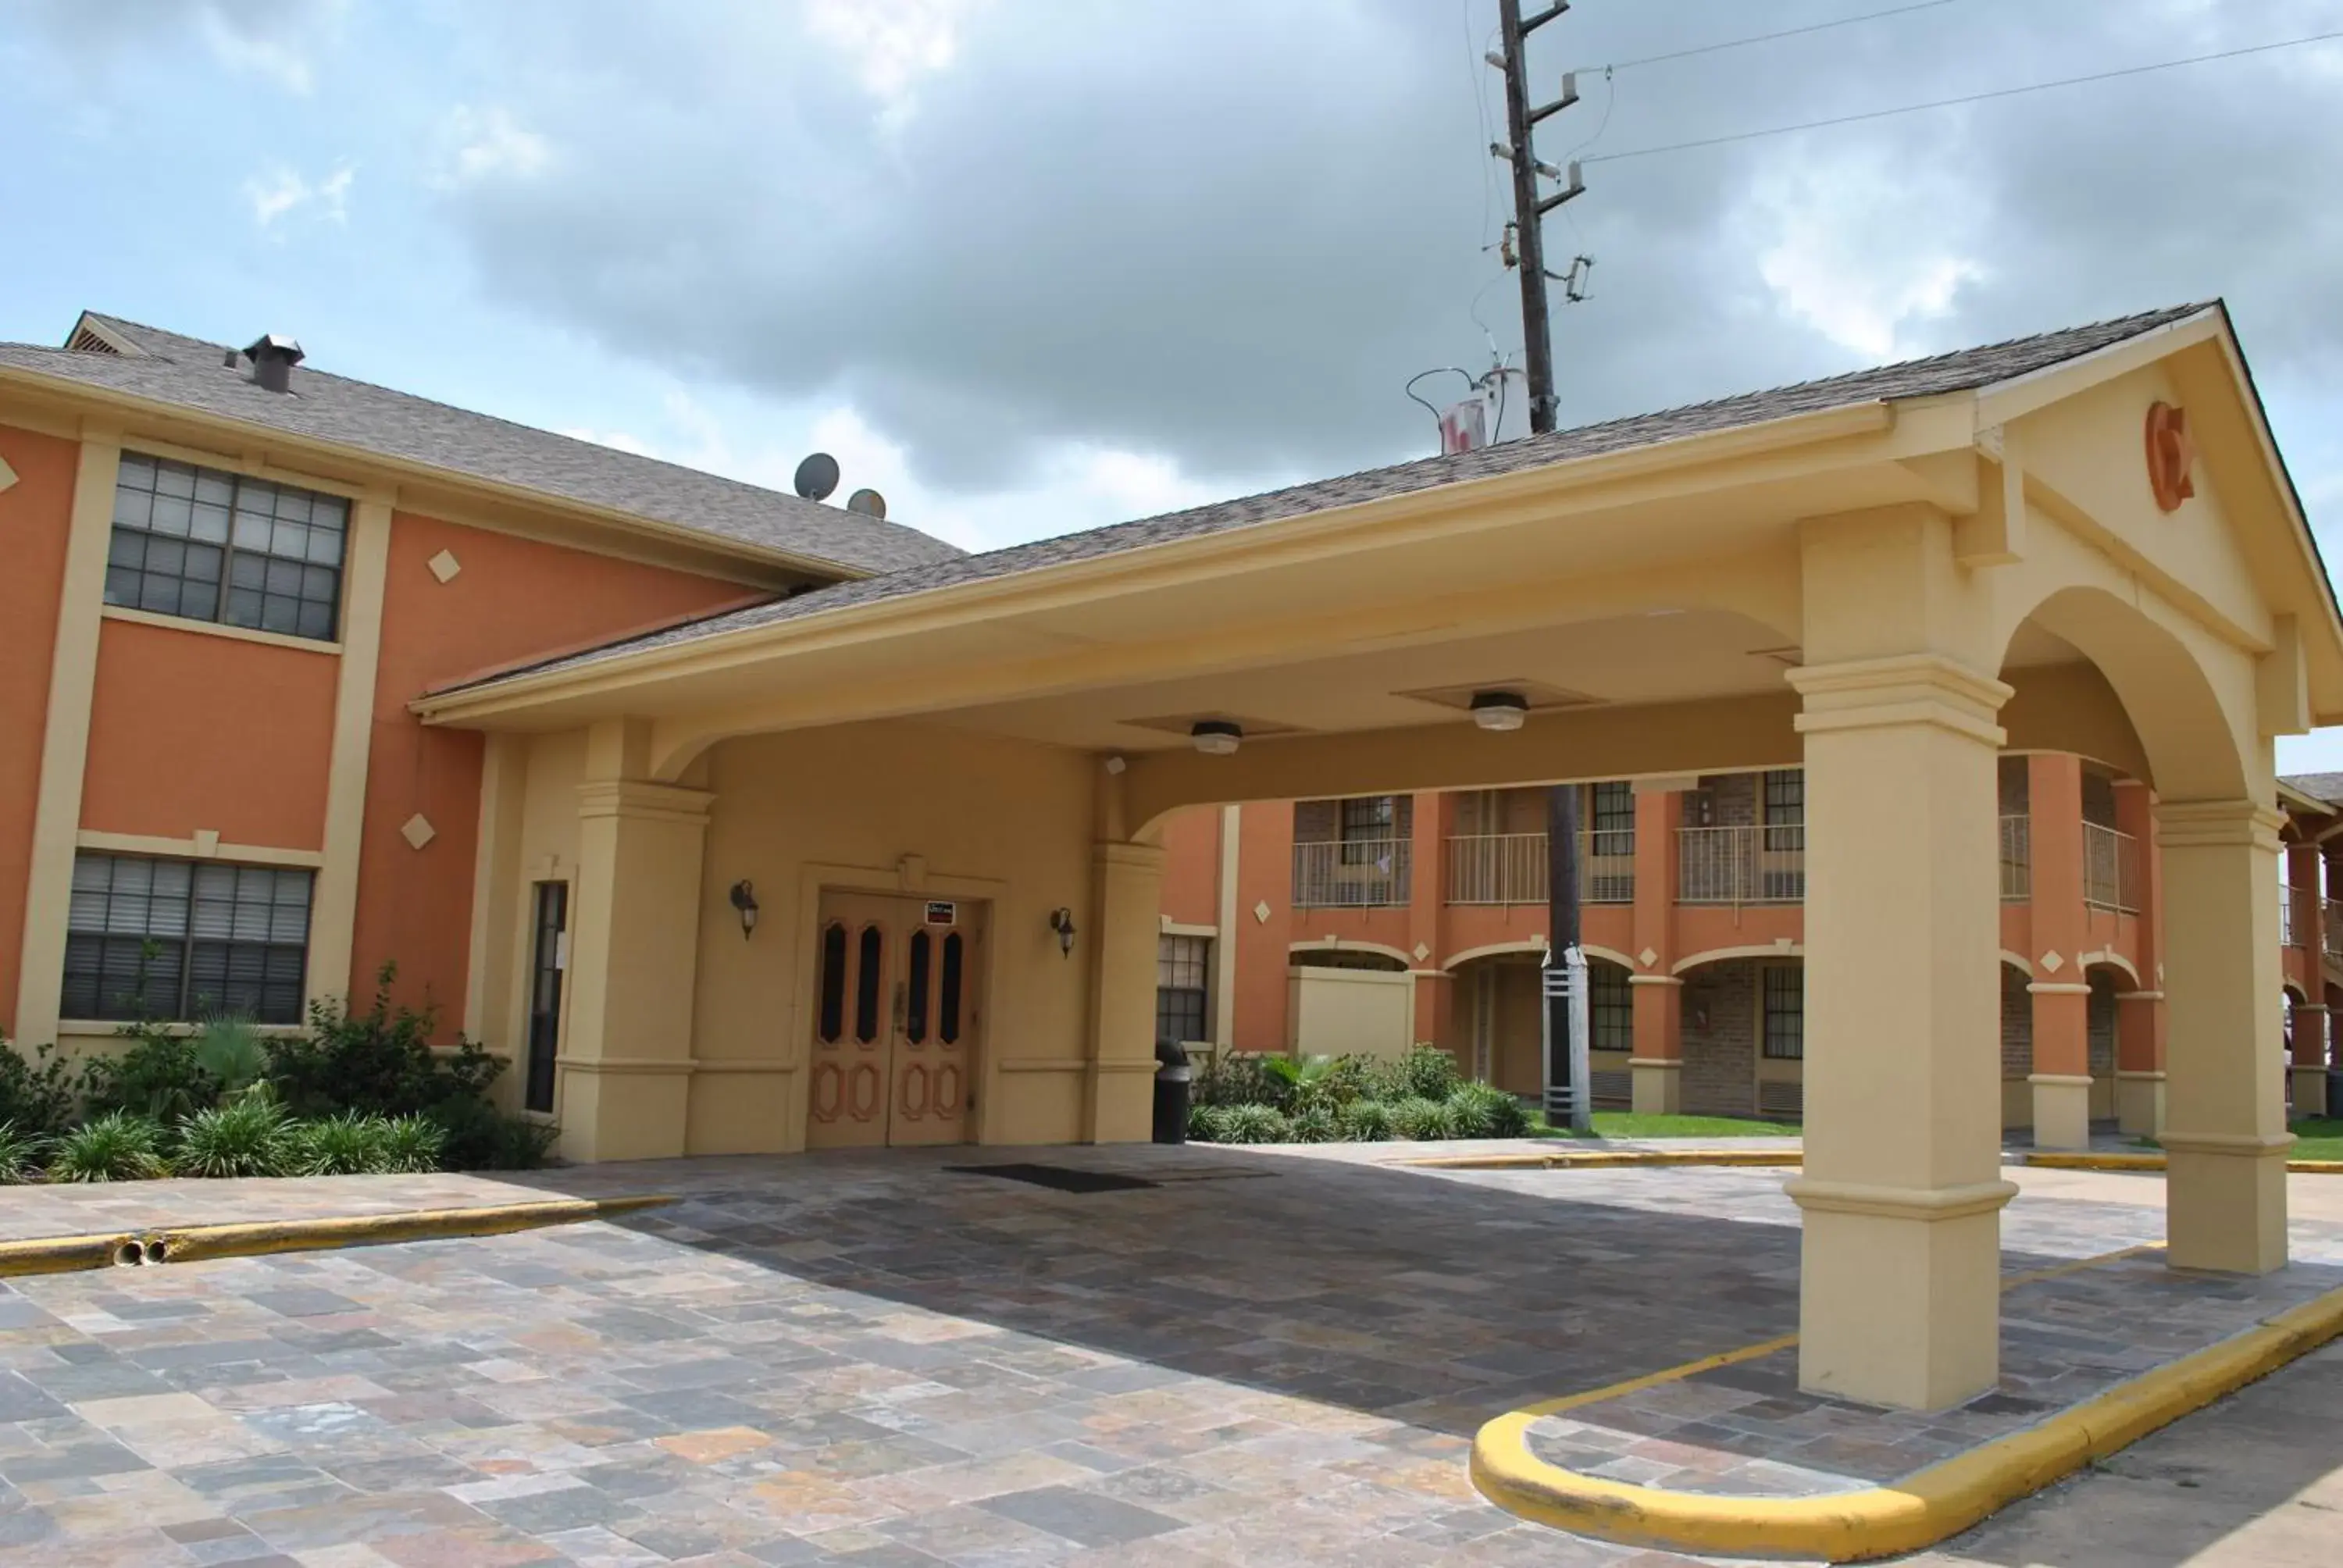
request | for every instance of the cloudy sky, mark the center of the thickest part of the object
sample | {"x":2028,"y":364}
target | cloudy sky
{"x":1028,"y":265}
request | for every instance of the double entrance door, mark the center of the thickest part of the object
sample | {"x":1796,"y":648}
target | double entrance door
{"x":895,"y":1021}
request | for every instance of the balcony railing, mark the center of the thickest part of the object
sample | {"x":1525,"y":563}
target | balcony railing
{"x":2111,"y":869}
{"x":2286,"y":938}
{"x":2017,"y":859}
{"x":1765,"y":865}
{"x":2333,"y":932}
{"x":1511,"y":868}
{"x":1352,"y":874}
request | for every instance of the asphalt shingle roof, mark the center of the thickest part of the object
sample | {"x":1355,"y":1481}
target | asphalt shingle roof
{"x":1963,"y":371}
{"x":2327,"y":787}
{"x":188,"y":373}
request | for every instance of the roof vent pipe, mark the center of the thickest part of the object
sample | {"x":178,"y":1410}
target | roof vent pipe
{"x":273,"y":358}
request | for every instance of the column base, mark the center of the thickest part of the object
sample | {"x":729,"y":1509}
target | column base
{"x":1124,"y":1101}
{"x":2139,"y":1103}
{"x":2225,"y":1202}
{"x":1658,"y":1086}
{"x":2062,"y":1110}
{"x":624,"y":1111}
{"x":2309,"y":1090}
{"x":1899,"y":1292}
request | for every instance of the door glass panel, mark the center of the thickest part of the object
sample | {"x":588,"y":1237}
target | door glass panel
{"x":866,"y":986}
{"x":833,"y":984}
{"x":948,"y":1004}
{"x":916,"y":1025}
{"x":545,"y":996}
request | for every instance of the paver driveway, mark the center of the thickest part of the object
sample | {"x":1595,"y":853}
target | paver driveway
{"x":879,"y":1360}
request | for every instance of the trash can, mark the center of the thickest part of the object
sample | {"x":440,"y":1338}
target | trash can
{"x":1171,"y":1091}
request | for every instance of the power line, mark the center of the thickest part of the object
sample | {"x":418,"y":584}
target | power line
{"x":1785,"y":33}
{"x":1967,"y":98}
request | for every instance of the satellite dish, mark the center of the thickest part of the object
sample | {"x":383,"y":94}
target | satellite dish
{"x":870,"y":503}
{"x":816,"y":476}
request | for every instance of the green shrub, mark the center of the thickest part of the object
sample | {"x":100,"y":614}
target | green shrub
{"x":1206,"y":1123}
{"x":1254,"y":1124}
{"x":231,"y":1052}
{"x":1315,"y":1124}
{"x":1426,"y":1072}
{"x":1364,"y":1122}
{"x":1333,"y":1082}
{"x":1244,"y":1078}
{"x":350,"y":1144}
{"x":158,"y":1077}
{"x":115,"y":1147}
{"x":38,"y":1096}
{"x":20,"y":1153}
{"x":413,"y":1143}
{"x":378,"y":1062}
{"x":1485,"y":1110}
{"x":1421,"y":1119}
{"x":249,"y":1136}
{"x":479,"y":1137}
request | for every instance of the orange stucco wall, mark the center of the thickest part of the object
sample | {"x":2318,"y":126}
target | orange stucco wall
{"x":191,"y":730}
{"x":35,"y":515}
{"x":1191,"y":866}
{"x":513,"y":599}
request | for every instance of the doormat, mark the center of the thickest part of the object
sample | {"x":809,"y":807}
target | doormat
{"x":1057,"y":1178}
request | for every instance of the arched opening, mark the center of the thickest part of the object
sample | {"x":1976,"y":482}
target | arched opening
{"x":1743,"y":1030}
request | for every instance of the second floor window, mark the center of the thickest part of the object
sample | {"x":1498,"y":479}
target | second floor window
{"x":218,"y":546}
{"x":1785,"y":808}
{"x":1369,"y":823}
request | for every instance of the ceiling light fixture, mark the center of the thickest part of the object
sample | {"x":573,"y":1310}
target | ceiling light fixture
{"x":1216,"y":737}
{"x":1499,"y":709}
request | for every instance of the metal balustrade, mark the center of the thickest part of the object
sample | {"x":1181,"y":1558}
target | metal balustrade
{"x":1755,"y":865}
{"x":2111,"y":869}
{"x":2285,"y":933}
{"x":1511,"y":868}
{"x":1352,"y":874}
{"x":2333,"y":933}
{"x":2017,"y":859}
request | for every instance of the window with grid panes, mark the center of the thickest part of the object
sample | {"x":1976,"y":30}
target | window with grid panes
{"x":1784,"y":1012}
{"x":212,"y":546}
{"x":1182,"y":964}
{"x":1785,"y":808}
{"x":182,"y":941}
{"x":1368,"y":823}
{"x":1610,"y":1008}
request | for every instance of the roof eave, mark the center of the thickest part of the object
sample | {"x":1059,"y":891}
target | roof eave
{"x":72,"y":391}
{"x":1762,"y":438}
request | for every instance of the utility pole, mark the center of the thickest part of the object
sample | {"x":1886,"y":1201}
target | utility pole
{"x":1565,"y":974}
{"x":1530,"y":207}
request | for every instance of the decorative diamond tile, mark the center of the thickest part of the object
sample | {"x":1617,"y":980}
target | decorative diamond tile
{"x":417,"y":830}
{"x":7,"y":474}
{"x":1422,"y":952}
{"x":1647,"y":958}
{"x":444,"y":566}
{"x":1261,"y":912}
{"x":2053,"y":962}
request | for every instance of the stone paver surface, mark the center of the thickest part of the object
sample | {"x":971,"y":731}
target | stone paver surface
{"x":879,"y":1360}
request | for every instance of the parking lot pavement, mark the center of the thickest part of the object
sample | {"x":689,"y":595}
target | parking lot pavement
{"x":878,"y":1359}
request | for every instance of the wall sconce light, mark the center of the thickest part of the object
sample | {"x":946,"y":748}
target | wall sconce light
{"x":1216,"y":737}
{"x":744,"y":899}
{"x":1061,"y":920}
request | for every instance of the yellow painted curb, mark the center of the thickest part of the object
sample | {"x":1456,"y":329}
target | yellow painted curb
{"x":193,"y":1243}
{"x":1918,"y":1511}
{"x":2155,"y":1162}
{"x":1610,"y":1158}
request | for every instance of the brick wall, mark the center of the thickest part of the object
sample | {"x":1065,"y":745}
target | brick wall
{"x":2103,"y":1005}
{"x":2016,"y":1024}
{"x":2013,"y":786}
{"x":1732,"y":799}
{"x":1720,"y":1039}
{"x":1321,"y":821}
{"x":2098,"y":799}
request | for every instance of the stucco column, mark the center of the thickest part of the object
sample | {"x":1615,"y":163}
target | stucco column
{"x":2140,"y":1020}
{"x":2225,"y":1137}
{"x":1899,"y":1289}
{"x":634,"y":953}
{"x":2308,"y":1087}
{"x":2061,"y":1078}
{"x":1657,"y":1064}
{"x":1126,"y":902}
{"x":1429,"y":823}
